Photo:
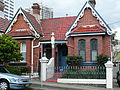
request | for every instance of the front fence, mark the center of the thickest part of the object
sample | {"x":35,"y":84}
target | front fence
{"x":79,"y":72}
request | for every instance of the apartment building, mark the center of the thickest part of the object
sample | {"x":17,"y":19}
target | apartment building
{"x":9,"y":9}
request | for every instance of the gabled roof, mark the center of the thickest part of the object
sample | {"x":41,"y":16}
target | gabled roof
{"x":3,"y":24}
{"x":33,"y":24}
{"x":57,"y":25}
{"x":94,"y":13}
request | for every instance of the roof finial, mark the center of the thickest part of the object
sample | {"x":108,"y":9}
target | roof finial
{"x":93,"y":2}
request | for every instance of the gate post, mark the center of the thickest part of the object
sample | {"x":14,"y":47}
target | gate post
{"x":43,"y":61}
{"x":109,"y":74}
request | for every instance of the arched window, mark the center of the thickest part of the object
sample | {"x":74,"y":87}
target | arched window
{"x":94,"y":49}
{"x":82,"y":49}
{"x":23,"y":51}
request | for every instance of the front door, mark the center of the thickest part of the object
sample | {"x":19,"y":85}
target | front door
{"x":62,"y":54}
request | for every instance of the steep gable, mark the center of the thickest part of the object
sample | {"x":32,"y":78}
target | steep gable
{"x":88,"y":17}
{"x":24,"y":24}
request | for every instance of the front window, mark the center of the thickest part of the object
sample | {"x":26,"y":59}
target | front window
{"x":82,"y":48}
{"x":94,"y":49}
{"x":23,"y":51}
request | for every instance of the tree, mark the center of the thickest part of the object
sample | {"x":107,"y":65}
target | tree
{"x":115,"y":49}
{"x":9,"y":49}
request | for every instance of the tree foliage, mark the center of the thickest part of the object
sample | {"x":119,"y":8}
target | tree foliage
{"x":9,"y":49}
{"x":114,"y":43}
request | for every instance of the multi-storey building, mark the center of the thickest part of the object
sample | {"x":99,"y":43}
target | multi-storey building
{"x":9,"y":9}
{"x":45,"y":12}
{"x":3,"y":21}
{"x":1,"y":8}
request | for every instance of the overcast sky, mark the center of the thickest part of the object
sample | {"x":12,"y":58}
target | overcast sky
{"x":108,"y":9}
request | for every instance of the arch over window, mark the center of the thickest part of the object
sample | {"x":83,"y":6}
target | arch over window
{"x":23,"y":51}
{"x":94,"y":49}
{"x":82,"y":49}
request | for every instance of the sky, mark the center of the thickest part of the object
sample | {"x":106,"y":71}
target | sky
{"x":108,"y":9}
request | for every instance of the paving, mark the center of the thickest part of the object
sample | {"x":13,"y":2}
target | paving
{"x":61,"y":86}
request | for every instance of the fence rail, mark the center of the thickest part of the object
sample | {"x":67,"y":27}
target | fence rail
{"x":80,"y":72}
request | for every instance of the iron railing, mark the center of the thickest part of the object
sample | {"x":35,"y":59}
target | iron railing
{"x":81,"y":72}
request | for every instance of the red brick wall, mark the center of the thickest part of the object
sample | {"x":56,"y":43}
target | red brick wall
{"x":88,"y":19}
{"x":103,"y":41}
{"x":28,"y":49}
{"x":36,"y":52}
{"x":20,"y":23}
{"x":103,"y":45}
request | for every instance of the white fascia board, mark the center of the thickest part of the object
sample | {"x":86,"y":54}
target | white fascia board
{"x":55,"y":42}
{"x":87,"y":34}
{"x":22,"y":37}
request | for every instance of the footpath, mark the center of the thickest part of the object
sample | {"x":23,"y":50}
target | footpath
{"x":63,"y":86}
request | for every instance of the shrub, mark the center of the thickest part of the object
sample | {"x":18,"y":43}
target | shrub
{"x":14,"y":70}
{"x":102,"y":59}
{"x":25,"y":69}
{"x":74,"y":60}
{"x":17,"y":70}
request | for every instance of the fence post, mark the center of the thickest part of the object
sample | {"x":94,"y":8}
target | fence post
{"x":109,"y":74}
{"x":43,"y":61}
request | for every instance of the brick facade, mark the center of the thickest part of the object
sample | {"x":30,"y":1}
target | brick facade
{"x":103,"y":45}
{"x":60,"y":27}
{"x":103,"y":40}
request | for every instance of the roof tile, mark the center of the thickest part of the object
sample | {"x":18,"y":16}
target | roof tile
{"x":57,"y":25}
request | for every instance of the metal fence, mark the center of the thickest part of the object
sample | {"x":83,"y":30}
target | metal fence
{"x":79,"y":72}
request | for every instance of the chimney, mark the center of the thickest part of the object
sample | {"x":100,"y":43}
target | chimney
{"x":93,"y":2}
{"x":36,"y":8}
{"x":2,"y":9}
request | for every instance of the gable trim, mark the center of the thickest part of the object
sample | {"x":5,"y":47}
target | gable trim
{"x":94,"y":13}
{"x":20,"y":11}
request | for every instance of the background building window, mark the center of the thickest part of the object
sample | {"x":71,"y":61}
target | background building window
{"x":94,"y":49}
{"x":82,"y":49}
{"x":23,"y":51}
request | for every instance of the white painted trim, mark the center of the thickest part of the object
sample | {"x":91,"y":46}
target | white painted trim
{"x":55,"y":42}
{"x":37,"y":45}
{"x":82,"y":81}
{"x":94,"y":13}
{"x":87,"y":34}
{"x":22,"y":37}
{"x":25,"y":18}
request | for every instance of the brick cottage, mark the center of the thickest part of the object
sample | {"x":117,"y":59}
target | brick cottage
{"x":86,"y":35}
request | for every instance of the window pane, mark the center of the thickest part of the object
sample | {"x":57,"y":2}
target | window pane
{"x":94,"y":48}
{"x":23,"y":47}
{"x":81,"y":49}
{"x":82,"y":53}
{"x":94,"y":55}
{"x":24,"y":56}
{"x":23,"y":51}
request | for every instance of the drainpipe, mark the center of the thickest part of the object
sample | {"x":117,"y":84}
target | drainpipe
{"x":32,"y":57}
